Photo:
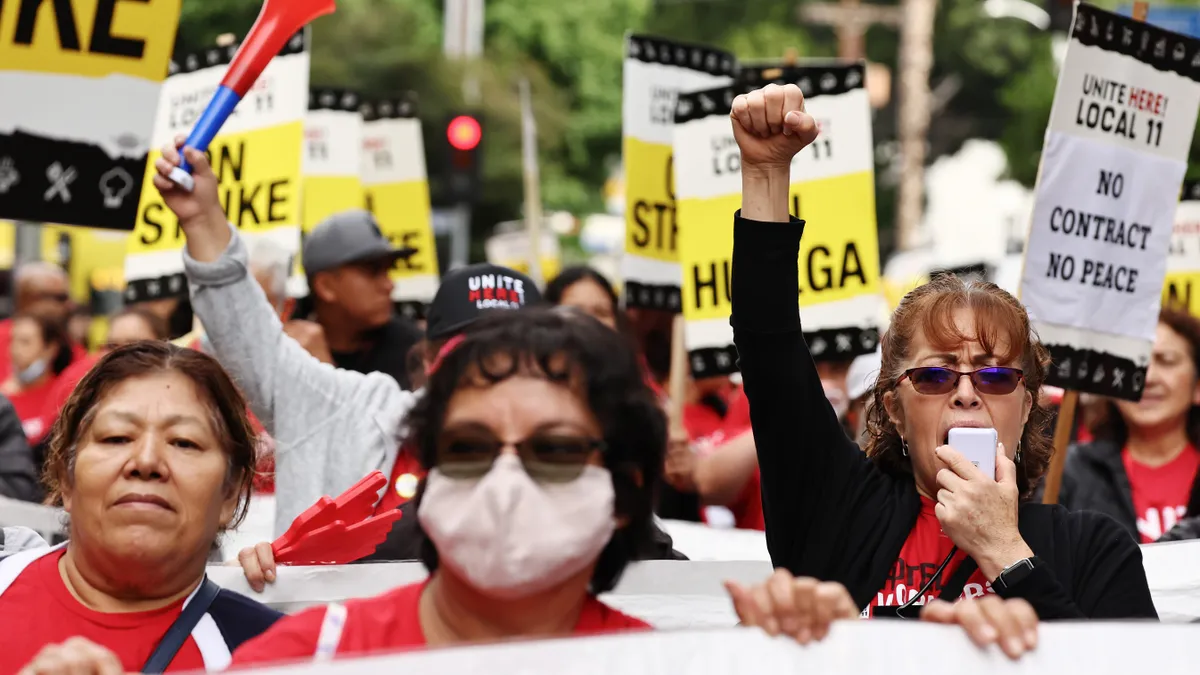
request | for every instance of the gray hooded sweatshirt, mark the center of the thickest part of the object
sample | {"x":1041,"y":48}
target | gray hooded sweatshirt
{"x":331,"y":426}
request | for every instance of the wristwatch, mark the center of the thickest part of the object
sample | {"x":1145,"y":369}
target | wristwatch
{"x":1014,"y":574}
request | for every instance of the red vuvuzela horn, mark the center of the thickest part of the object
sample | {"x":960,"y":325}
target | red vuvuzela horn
{"x":278,"y":21}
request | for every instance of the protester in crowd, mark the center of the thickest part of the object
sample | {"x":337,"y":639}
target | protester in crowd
{"x":152,"y":460}
{"x":543,"y":446}
{"x":331,"y":426}
{"x":956,"y":354}
{"x":348,"y":260}
{"x":40,"y":288}
{"x":131,"y":324}
{"x":587,"y":290}
{"x":19,"y":464}
{"x":1143,"y":469}
{"x":39,"y":352}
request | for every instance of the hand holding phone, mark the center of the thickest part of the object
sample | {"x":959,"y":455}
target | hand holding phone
{"x":978,"y":446}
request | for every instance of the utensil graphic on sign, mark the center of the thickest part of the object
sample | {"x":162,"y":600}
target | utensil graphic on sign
{"x":60,"y":181}
{"x":115,"y":185}
{"x":8,"y":175}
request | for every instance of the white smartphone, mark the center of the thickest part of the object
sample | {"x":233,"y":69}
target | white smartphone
{"x":978,"y":446}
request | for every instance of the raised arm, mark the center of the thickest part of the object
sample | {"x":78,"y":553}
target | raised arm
{"x":810,"y":469}
{"x":274,"y":371}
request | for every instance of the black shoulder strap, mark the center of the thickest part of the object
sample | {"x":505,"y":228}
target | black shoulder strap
{"x":954,"y":586}
{"x":179,"y":631}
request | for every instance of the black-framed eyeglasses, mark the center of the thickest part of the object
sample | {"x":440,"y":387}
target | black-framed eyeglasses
{"x":546,"y":457}
{"x":935,"y":381}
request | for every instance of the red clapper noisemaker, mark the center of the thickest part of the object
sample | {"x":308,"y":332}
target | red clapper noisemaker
{"x":278,"y":21}
{"x":338,"y":531}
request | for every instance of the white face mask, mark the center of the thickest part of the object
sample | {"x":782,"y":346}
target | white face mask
{"x":837,"y":398}
{"x":32,"y":372}
{"x":512,"y":537}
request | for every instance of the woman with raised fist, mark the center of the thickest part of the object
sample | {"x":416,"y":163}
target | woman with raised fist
{"x":911,"y":520}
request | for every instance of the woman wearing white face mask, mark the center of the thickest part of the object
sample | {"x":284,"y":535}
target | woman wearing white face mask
{"x":543,"y":443}
{"x":40,"y":351}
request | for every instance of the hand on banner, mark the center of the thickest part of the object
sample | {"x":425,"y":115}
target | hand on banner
{"x":76,"y":656}
{"x":771,"y":126}
{"x":311,"y":336}
{"x":258,"y":564}
{"x":990,"y":620}
{"x":800,"y":608}
{"x":980,"y":514}
{"x":199,"y":211}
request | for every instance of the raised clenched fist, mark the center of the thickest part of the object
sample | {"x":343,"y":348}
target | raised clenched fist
{"x":771,"y":126}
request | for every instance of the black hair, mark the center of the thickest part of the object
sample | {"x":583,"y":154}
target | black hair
{"x":570,"y":276}
{"x":573,"y":349}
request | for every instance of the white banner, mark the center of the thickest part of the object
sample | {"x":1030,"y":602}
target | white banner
{"x":884,"y":647}
{"x":1115,"y":155}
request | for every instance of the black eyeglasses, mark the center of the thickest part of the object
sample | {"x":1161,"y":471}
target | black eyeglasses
{"x":547,"y":457}
{"x":936,"y":381}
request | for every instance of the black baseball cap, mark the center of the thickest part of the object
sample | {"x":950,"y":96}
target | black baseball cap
{"x":468,"y":292}
{"x":347,"y":237}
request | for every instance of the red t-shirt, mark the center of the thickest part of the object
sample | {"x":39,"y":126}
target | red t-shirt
{"x":388,"y":622}
{"x":1160,"y":493}
{"x":923,"y":552}
{"x":30,"y":405}
{"x":38,"y":610}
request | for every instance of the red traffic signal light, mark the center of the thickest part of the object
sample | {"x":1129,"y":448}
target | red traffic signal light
{"x":464,"y":133}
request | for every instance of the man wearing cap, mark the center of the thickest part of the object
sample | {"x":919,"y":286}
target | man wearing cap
{"x":347,"y":259}
{"x":331,"y":426}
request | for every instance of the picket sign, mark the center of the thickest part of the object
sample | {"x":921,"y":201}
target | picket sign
{"x":891,"y":647}
{"x":256,"y":158}
{"x":1108,"y":186}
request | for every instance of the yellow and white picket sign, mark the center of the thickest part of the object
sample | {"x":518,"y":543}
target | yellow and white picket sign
{"x":79,"y":80}
{"x":393,"y":174}
{"x":832,"y":188}
{"x":257,"y":159}
{"x":1182,"y":285}
{"x":655,"y":71}
{"x":333,"y":134}
{"x":513,"y":250}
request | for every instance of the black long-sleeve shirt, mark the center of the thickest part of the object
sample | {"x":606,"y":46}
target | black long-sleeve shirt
{"x":833,"y":514}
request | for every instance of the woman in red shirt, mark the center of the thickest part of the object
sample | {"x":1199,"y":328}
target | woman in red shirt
{"x":39,"y":352}
{"x":543,"y":446}
{"x":151,"y":459}
{"x":1143,"y":468}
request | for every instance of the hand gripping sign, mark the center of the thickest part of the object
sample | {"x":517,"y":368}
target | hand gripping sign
{"x":276,"y":23}
{"x":338,"y":531}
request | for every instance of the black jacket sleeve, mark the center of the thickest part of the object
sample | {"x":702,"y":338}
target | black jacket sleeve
{"x":823,"y":501}
{"x":18,"y":474}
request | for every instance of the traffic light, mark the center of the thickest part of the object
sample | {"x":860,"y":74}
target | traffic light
{"x":464,"y":139}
